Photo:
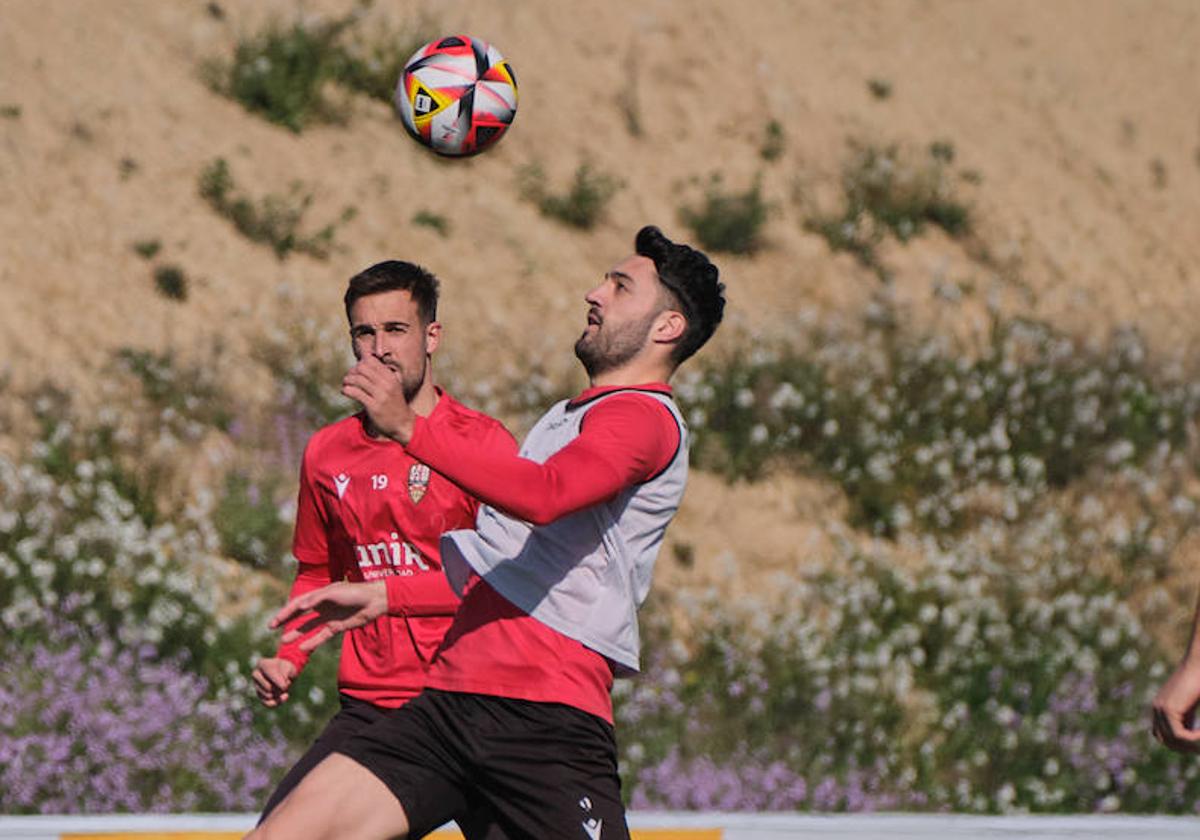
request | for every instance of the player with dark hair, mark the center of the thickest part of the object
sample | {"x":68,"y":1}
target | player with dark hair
{"x":369,"y":511}
{"x":396,"y":276}
{"x":518,"y":708}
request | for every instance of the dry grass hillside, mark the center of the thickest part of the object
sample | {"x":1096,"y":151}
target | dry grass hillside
{"x":1077,"y":120}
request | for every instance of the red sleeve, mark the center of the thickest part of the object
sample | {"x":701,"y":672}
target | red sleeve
{"x":429,"y":594}
{"x":309,"y":576}
{"x":310,"y":546}
{"x":420,"y":595}
{"x":624,"y":440}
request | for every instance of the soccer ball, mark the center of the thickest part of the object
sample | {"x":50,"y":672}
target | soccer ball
{"x":457,"y":95}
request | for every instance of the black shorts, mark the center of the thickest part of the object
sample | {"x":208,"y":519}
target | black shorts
{"x":543,"y":770}
{"x":353,"y":716}
{"x":474,"y":817}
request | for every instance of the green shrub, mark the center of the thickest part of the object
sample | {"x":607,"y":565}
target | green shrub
{"x":188,"y":397}
{"x":857,"y":235}
{"x":171,"y":282}
{"x":884,"y":192}
{"x":74,"y":531}
{"x":1005,"y":676}
{"x":248,"y":519}
{"x":163,"y":404}
{"x":290,"y":74}
{"x":147,"y":248}
{"x":773,"y":143}
{"x":274,"y":219}
{"x":306,"y":359}
{"x":433,"y":221}
{"x":918,"y":431}
{"x":729,"y":222}
{"x":1158,"y":172}
{"x":372,"y":65}
{"x":879,"y":88}
{"x":82,"y":131}
{"x":902,"y":197}
{"x":89,"y":532}
{"x":581,"y":206}
{"x":942,"y":150}
{"x":281,"y":73}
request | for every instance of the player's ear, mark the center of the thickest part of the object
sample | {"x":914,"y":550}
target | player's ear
{"x":433,"y":335}
{"x":669,"y":326}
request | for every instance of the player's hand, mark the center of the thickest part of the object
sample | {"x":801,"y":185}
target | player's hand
{"x":334,"y":609}
{"x":380,"y":391}
{"x":273,"y":677}
{"x":1174,"y":709}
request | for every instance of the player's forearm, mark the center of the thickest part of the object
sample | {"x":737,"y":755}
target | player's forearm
{"x":421,"y":595}
{"x":309,"y":578}
{"x":573,"y":479}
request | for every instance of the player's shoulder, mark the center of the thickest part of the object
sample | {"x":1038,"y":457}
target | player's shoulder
{"x":645,"y":402}
{"x":333,"y":436}
{"x":469,"y":419}
{"x":636,"y":415}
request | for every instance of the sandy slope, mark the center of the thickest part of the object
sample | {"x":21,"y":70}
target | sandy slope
{"x":1080,"y":117}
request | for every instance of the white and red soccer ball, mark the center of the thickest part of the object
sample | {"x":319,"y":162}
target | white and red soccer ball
{"x":457,"y":95}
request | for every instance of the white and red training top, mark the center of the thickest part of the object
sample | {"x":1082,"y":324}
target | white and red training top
{"x":493,"y":647}
{"x":368,"y":511}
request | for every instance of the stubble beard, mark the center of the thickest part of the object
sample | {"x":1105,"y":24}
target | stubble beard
{"x":412,"y":383}
{"x":601,"y":352}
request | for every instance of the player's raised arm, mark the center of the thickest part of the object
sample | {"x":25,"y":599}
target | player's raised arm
{"x":624,"y":440}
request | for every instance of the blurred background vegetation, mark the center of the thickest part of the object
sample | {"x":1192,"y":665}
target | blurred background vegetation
{"x":939,"y":546}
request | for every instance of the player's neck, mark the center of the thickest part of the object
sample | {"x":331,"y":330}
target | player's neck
{"x":426,"y":399}
{"x":634,"y":372}
{"x":423,"y":403}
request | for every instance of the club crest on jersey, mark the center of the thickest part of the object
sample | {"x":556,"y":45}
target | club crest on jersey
{"x":418,"y":482}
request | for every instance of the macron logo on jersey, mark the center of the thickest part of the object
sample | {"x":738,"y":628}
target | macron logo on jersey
{"x":341,"y":481}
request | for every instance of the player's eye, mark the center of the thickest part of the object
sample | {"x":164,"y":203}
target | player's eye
{"x":396,"y":328}
{"x":361,"y":332}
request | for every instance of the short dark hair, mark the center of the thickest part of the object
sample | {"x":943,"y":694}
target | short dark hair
{"x":396,"y":275}
{"x":693,"y":283}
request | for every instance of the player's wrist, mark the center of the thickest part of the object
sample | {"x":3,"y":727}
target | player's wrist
{"x":295,"y":656}
{"x":399,"y":429}
{"x":404,"y":430}
{"x":393,"y":595}
{"x":380,"y":600}
{"x":416,"y":423}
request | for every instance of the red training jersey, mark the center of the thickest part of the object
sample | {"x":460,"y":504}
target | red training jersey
{"x":369,"y":511}
{"x":493,"y":647}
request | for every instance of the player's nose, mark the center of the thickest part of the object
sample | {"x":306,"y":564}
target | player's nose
{"x":379,"y":348}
